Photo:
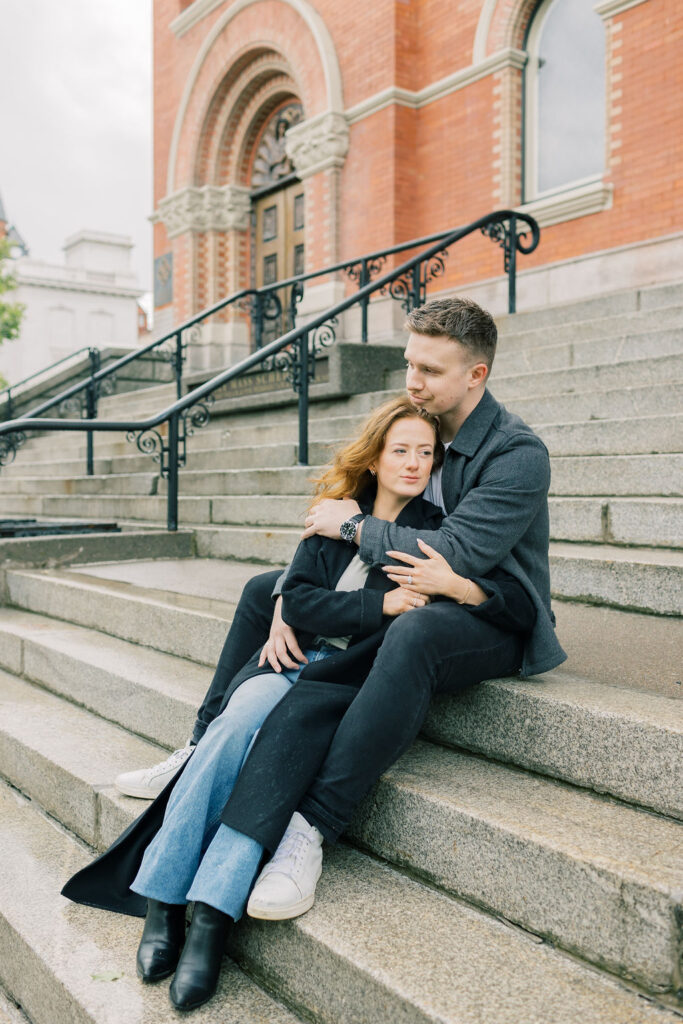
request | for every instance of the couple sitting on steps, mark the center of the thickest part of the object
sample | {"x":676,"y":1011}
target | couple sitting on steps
{"x":423,"y":570}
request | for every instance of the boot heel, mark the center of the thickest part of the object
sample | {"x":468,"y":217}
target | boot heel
{"x":199,"y":967}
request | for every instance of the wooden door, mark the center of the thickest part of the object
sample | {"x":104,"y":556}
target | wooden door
{"x":279,"y":248}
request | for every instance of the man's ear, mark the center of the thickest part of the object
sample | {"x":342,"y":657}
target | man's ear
{"x":478,"y":374}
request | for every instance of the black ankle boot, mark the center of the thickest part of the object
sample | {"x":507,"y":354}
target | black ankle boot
{"x":162,"y":940}
{"x":197,"y":973}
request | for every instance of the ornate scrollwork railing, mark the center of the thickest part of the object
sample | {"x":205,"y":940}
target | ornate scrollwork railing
{"x":294,"y":353}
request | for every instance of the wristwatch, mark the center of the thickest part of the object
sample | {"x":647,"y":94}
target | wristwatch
{"x":347,"y":530}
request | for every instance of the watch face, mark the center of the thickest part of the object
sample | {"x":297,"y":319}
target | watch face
{"x":347,"y":530}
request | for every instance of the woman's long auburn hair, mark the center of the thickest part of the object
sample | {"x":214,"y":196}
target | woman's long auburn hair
{"x":349,"y":475}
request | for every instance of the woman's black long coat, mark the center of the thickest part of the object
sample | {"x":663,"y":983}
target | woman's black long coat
{"x":310,"y":600}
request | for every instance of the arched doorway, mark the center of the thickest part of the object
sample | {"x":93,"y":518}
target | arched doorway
{"x":278,"y":227}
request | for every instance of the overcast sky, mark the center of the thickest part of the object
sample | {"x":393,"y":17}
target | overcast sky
{"x":76,"y":122}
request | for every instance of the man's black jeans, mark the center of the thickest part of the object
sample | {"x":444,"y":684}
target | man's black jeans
{"x":249,"y":630}
{"x":442,"y":648}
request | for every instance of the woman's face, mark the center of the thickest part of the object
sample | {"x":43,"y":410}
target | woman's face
{"x":405,"y":462}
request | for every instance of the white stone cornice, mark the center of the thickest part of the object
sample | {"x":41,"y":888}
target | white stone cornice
{"x":508,"y":58}
{"x":209,"y":208}
{"x":580,"y":201}
{"x":318,"y":144}
{"x":609,"y":8}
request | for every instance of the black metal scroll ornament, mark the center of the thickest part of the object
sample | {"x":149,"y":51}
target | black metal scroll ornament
{"x":499,"y":231}
{"x":151,"y":442}
{"x":362,"y":275}
{"x":10,"y":445}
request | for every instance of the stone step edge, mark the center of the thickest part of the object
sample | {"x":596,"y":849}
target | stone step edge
{"x":41,"y":983}
{"x":548,"y":705}
{"x":302,"y":938}
{"x":103,"y":795}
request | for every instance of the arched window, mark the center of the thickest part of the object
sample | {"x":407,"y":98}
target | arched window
{"x":564,"y":113}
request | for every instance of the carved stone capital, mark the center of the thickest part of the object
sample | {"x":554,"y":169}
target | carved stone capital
{"x":318,"y":144}
{"x":209,"y":208}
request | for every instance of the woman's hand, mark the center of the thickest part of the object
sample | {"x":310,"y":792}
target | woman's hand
{"x":282,"y":645}
{"x":432,"y":575}
{"x":401,"y":600}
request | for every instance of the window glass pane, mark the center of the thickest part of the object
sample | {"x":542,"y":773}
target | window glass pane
{"x":270,"y":224}
{"x":298,"y":259}
{"x":298,"y":212}
{"x":571,"y":94}
{"x":270,"y":269}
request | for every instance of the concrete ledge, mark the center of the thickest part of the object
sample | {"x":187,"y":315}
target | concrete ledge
{"x":105,"y":547}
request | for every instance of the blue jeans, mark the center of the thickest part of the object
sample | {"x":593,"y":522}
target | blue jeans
{"x":193,"y":855}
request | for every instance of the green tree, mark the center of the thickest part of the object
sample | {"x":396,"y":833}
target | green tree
{"x":11,"y":313}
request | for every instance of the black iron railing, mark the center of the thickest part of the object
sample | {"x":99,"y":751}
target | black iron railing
{"x":14,"y":391}
{"x":294,"y":353}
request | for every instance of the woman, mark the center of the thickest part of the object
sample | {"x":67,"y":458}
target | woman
{"x":347,"y":608}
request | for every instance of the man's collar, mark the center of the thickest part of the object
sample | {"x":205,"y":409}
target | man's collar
{"x":476,"y":426}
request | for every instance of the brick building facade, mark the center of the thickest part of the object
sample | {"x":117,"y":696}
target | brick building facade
{"x":401,"y":118}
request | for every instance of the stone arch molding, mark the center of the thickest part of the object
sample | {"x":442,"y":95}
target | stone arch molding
{"x":504,"y":30}
{"x":325,"y":134}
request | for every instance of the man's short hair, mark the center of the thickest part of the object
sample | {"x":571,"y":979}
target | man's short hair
{"x":460,"y":320}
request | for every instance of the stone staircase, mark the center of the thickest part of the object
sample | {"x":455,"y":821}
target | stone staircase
{"x":521,"y":864}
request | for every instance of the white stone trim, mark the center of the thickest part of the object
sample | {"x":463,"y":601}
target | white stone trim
{"x":579,"y":201}
{"x":209,"y":208}
{"x":610,"y":8}
{"x":481,"y":36}
{"x":508,"y":58}
{"x":318,"y":144}
{"x":60,"y":284}
{"x":648,"y":262}
{"x":200,"y":8}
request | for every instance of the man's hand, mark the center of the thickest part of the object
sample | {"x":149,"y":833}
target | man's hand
{"x":326,"y":517}
{"x":429,"y":575}
{"x":400,"y":600}
{"x":281,"y":646}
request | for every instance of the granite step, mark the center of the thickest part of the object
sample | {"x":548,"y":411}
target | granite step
{"x":640,"y":435}
{"x":56,"y":957}
{"x":600,"y":879}
{"x":614,"y":740}
{"x":362,"y":973}
{"x":597,"y":377}
{"x":616,"y":475}
{"x":637,"y":579}
{"x":541,"y":355}
{"x":641,"y":521}
{"x":617,"y":325}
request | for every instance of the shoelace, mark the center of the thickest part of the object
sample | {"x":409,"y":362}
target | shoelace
{"x":292,"y":848}
{"x":172,"y":761}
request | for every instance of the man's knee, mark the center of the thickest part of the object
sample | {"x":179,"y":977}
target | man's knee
{"x":257,"y":592}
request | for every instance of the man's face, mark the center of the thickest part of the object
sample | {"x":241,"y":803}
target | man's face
{"x":439,"y":374}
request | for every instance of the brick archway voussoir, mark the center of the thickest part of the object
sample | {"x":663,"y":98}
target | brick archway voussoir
{"x":241,"y":29}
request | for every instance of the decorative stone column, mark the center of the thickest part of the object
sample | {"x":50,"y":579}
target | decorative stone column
{"x":317,"y":149}
{"x":207,"y":226}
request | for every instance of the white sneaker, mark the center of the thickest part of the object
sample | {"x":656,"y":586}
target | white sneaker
{"x":147,"y":783}
{"x":286,"y":886}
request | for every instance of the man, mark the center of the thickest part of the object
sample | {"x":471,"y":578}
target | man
{"x":493,"y":488}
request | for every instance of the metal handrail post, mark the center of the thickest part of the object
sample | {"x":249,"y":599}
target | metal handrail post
{"x":364,"y":278}
{"x":512,"y":265}
{"x":91,"y":408}
{"x":303,"y":399}
{"x":179,"y":364}
{"x":172,"y":479}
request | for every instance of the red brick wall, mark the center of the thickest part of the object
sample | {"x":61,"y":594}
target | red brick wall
{"x":411,"y":172}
